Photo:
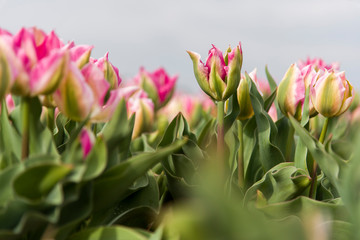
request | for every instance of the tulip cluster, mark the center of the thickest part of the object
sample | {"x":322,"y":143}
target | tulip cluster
{"x":62,"y":75}
{"x":330,"y":92}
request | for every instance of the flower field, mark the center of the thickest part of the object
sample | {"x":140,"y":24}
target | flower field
{"x":87,"y":155}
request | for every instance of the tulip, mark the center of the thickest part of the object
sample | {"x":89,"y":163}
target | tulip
{"x":87,"y":140}
{"x":74,"y":96}
{"x":158,"y":85}
{"x":143,"y":108}
{"x":10,"y":105}
{"x":291,"y":91}
{"x":318,"y":64}
{"x":103,"y":108}
{"x":331,"y":94}
{"x":111,"y":73}
{"x":243,"y":96}
{"x":6,"y":78}
{"x":219,"y":77}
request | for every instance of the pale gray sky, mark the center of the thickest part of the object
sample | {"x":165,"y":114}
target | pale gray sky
{"x":158,"y":33}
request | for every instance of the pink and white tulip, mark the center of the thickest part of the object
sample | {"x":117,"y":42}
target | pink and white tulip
{"x":111,"y":73}
{"x":318,"y":64}
{"x":332,"y":94}
{"x":291,"y":91}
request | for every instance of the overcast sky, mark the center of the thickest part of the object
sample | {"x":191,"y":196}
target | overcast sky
{"x":158,"y":33}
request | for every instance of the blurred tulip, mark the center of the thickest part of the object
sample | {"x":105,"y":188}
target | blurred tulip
{"x":332,"y":94}
{"x":10,"y":105}
{"x":87,"y":140}
{"x":111,"y":72}
{"x":219,"y":77}
{"x":318,"y":64}
{"x":80,"y":54}
{"x":273,"y":113}
{"x":143,"y":108}
{"x":158,"y":85}
{"x":74,"y":96}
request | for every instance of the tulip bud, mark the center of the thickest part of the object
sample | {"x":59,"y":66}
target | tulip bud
{"x":243,"y":97}
{"x":74,"y":97}
{"x":332,"y":94}
{"x":111,"y":73}
{"x":5,"y":75}
{"x":143,"y":108}
{"x":158,"y":85}
{"x":291,"y":91}
{"x":87,"y":140}
{"x":318,"y":64}
{"x":10,"y":105}
{"x":218,"y":78}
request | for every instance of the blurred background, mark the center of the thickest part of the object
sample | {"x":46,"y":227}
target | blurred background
{"x":158,"y":33}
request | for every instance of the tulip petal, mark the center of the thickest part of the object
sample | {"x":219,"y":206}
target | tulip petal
{"x":48,"y":73}
{"x":234,"y":69}
{"x":201,"y":73}
{"x":217,"y":85}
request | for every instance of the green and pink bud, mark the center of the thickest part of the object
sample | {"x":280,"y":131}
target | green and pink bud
{"x":87,"y":141}
{"x":291,"y":91}
{"x":74,"y":97}
{"x":243,"y":96}
{"x":143,"y":108}
{"x":331,"y":94}
{"x":219,"y":77}
{"x":158,"y":85}
{"x":111,"y":73}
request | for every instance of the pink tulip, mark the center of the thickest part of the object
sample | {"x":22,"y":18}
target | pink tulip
{"x":219,"y":77}
{"x":10,"y":105}
{"x":318,"y":64}
{"x":158,"y":85}
{"x":291,"y":91}
{"x":143,"y":108}
{"x":87,"y":140}
{"x":111,"y":72}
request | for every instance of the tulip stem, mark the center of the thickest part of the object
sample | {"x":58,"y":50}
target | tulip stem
{"x":25,"y":127}
{"x":315,"y":165}
{"x":240,"y":155}
{"x":220,"y":129}
{"x":50,"y":117}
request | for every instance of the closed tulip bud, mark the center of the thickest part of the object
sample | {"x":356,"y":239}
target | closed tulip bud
{"x":111,"y":73}
{"x":243,"y":97}
{"x":6,"y":79}
{"x":291,"y":91}
{"x":158,"y":85}
{"x":332,"y":94}
{"x":143,"y":108}
{"x":218,"y":77}
{"x":87,"y":140}
{"x":10,"y":105}
{"x":74,"y":97}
